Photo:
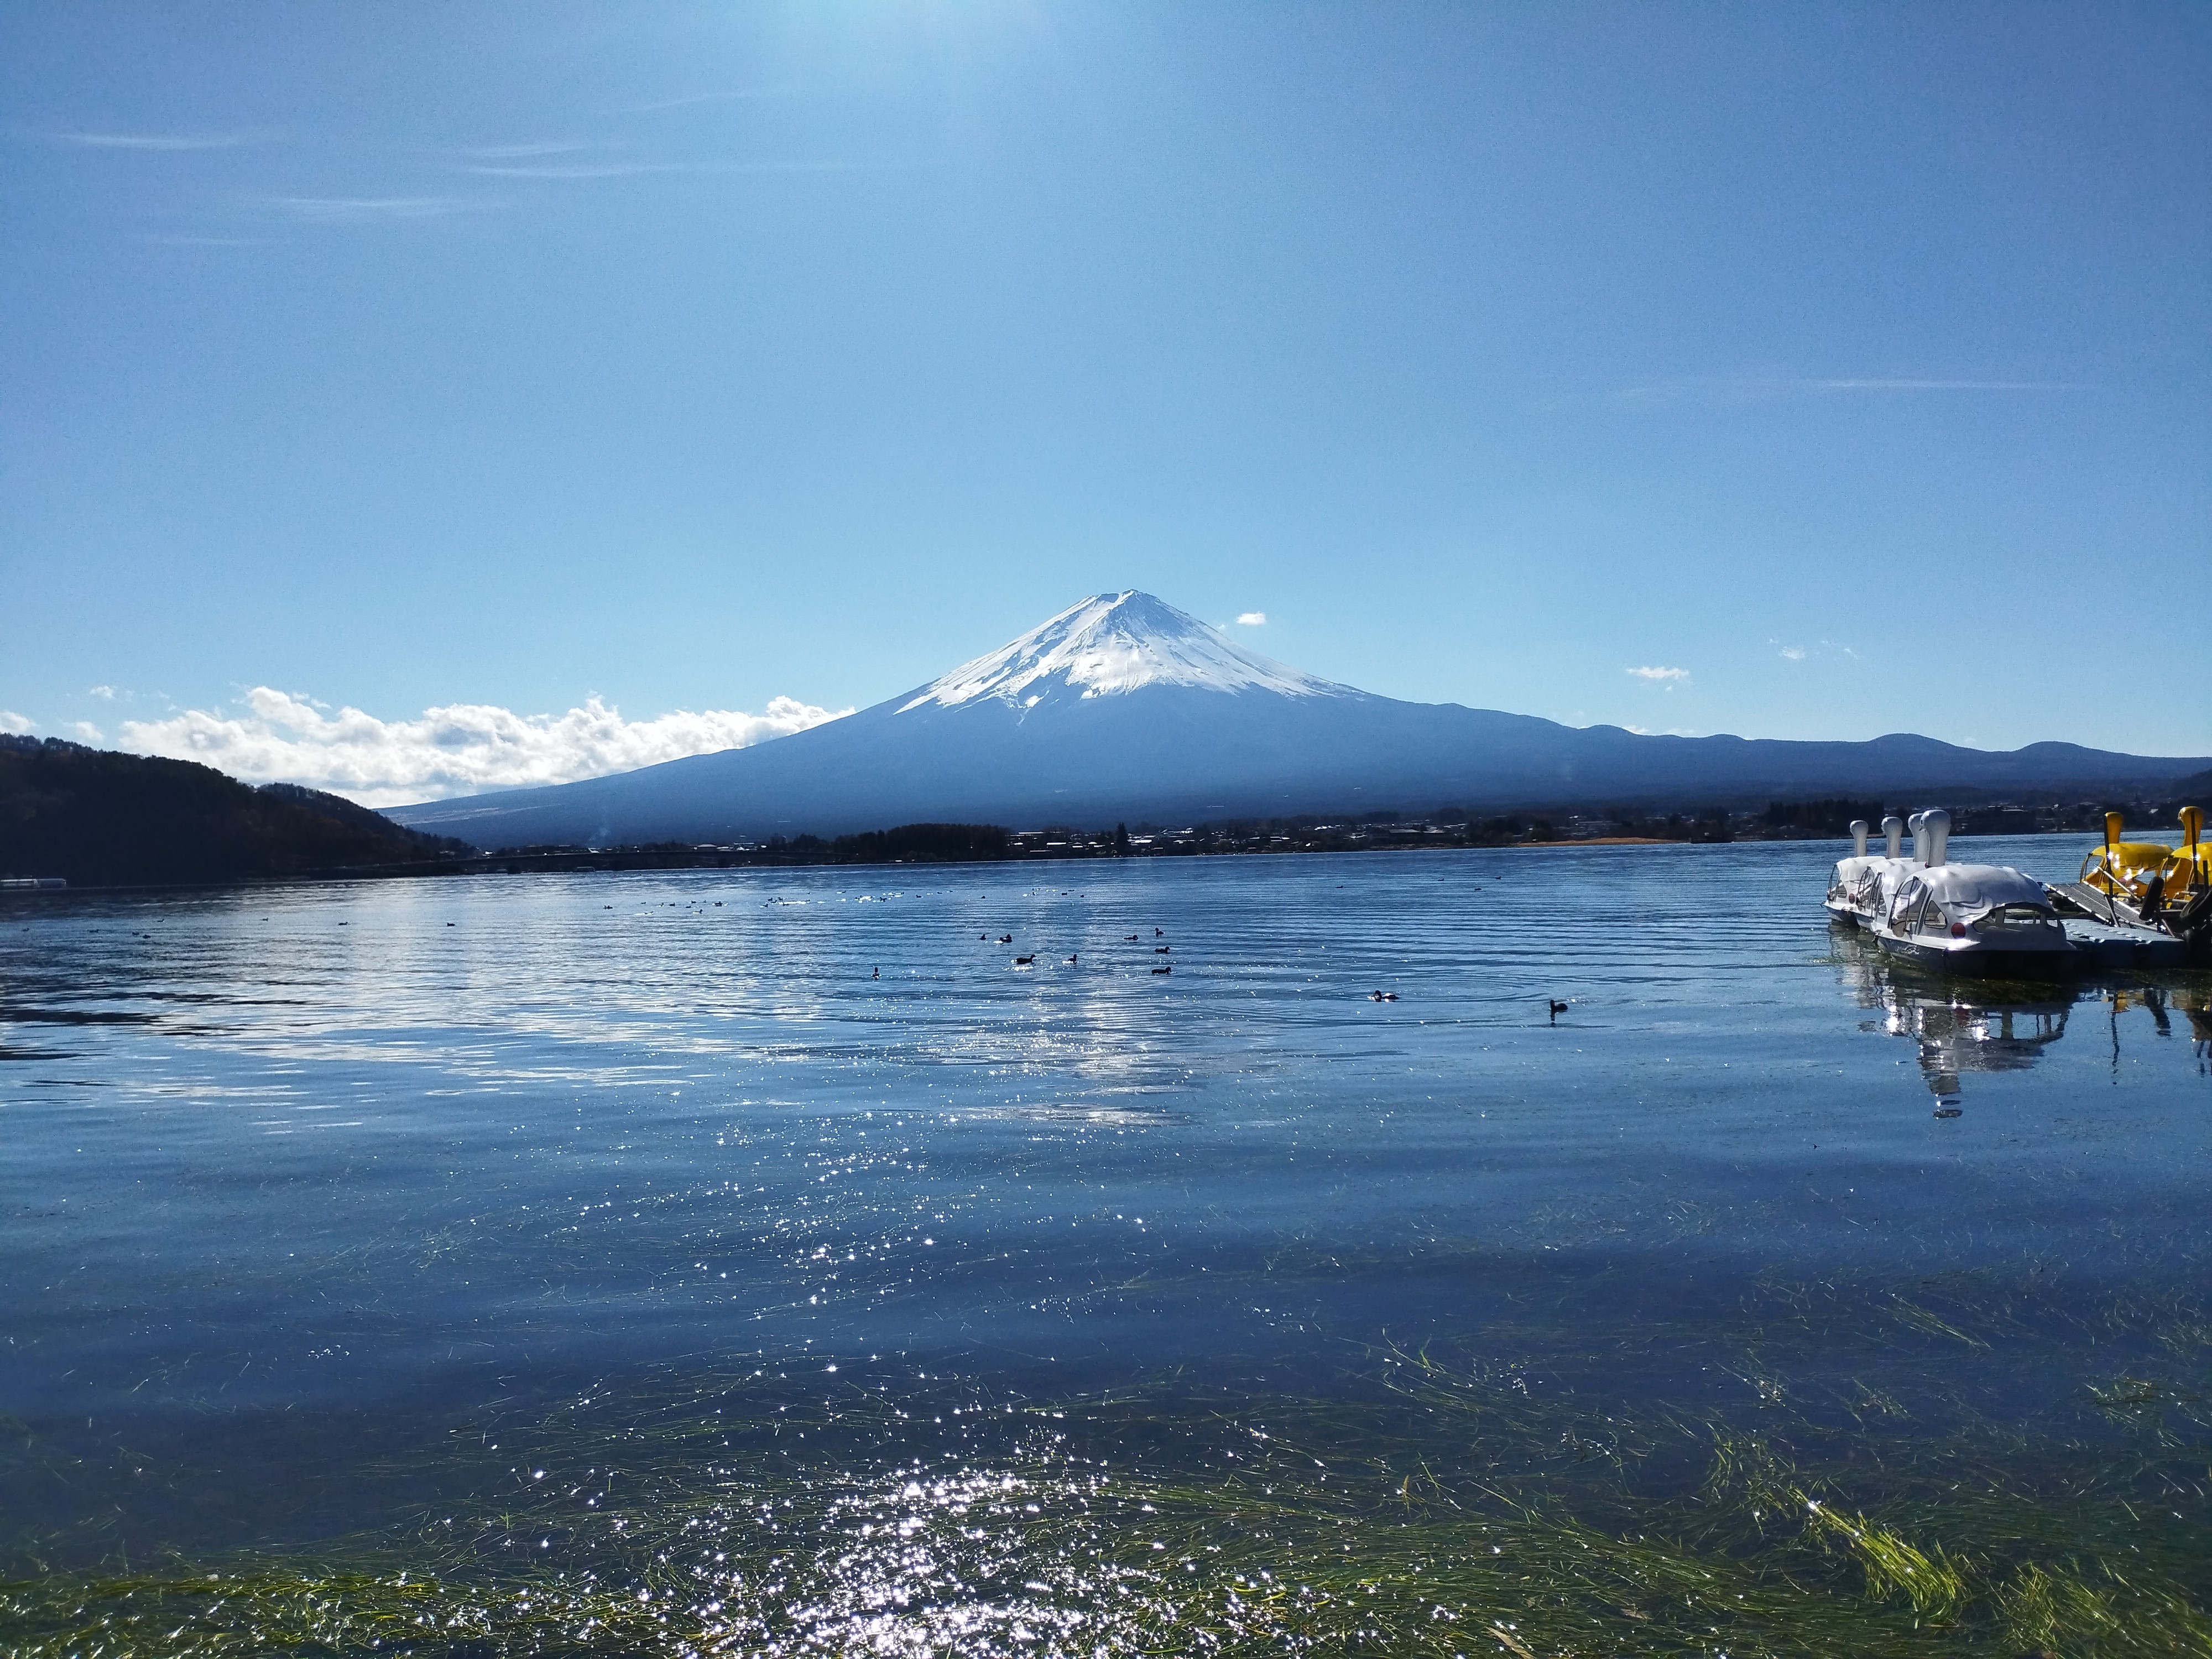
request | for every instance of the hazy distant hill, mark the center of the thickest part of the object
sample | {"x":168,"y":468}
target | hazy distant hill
{"x":101,"y":818}
{"x":1124,"y":708}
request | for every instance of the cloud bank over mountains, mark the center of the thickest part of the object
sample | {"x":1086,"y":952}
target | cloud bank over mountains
{"x":457,"y":750}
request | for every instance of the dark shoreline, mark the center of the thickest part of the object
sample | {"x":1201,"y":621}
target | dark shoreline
{"x":106,"y":821}
{"x":619,"y":860}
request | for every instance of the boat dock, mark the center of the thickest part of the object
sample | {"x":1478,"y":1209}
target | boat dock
{"x":2112,"y":911}
{"x":2100,"y":944}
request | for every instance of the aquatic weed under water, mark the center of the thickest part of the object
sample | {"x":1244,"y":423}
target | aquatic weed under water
{"x":1443,"y":1504}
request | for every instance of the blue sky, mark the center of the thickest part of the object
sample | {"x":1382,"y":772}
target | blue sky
{"x":1850,"y":360}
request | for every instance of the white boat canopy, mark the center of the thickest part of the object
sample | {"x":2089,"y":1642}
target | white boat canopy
{"x":1968,"y":890}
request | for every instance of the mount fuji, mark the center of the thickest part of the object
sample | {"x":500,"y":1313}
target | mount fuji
{"x":1124,"y":708}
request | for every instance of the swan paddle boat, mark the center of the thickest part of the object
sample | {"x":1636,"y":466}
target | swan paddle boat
{"x":1862,"y":886}
{"x":2140,"y":907}
{"x":1960,"y":918}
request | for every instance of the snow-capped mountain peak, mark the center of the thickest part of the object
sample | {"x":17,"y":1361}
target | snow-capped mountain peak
{"x":1124,"y":709}
{"x":1111,"y":644}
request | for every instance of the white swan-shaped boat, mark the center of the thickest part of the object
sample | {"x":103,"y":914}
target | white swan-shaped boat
{"x":1967,"y":918}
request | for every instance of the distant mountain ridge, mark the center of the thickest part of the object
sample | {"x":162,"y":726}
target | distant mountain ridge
{"x":1123,"y":708}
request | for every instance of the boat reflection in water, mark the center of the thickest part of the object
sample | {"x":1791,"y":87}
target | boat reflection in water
{"x":2001,"y":1025}
{"x":1964,"y":1026}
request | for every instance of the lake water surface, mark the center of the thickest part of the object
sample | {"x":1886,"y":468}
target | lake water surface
{"x":756,"y":1262}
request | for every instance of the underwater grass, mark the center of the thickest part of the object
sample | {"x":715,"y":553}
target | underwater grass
{"x":1209,"y":1571}
{"x":1450,"y":1499}
{"x":1446,"y":1507}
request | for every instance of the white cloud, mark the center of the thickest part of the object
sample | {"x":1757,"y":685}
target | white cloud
{"x":1723,"y":390}
{"x":1801,"y":653}
{"x":15,"y":724}
{"x":575,"y":169}
{"x":585,"y":170}
{"x":150,"y":140}
{"x":357,"y":210}
{"x":1943,"y":385}
{"x":457,"y":750}
{"x":104,"y":693}
{"x":88,"y":732}
{"x":702,"y":98}
{"x":1253,"y":619}
{"x":513,"y":152}
{"x":1668,"y":674}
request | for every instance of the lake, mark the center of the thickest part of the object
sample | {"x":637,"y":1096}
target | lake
{"x":769,"y":1262}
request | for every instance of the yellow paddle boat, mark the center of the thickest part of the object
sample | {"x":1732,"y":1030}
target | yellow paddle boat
{"x":2148,"y":875}
{"x":2141,"y":883}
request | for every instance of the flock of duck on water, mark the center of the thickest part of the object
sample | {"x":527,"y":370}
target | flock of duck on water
{"x":1075,"y":959}
{"x":1552,"y":1005}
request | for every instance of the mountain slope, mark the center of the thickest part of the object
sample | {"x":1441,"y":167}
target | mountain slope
{"x":99,"y":819}
{"x":1123,"y":707}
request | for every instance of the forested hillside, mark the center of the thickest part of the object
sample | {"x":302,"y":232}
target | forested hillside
{"x":100,"y":818}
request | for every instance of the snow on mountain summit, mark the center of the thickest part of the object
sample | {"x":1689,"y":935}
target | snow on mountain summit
{"x":1115,"y":643}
